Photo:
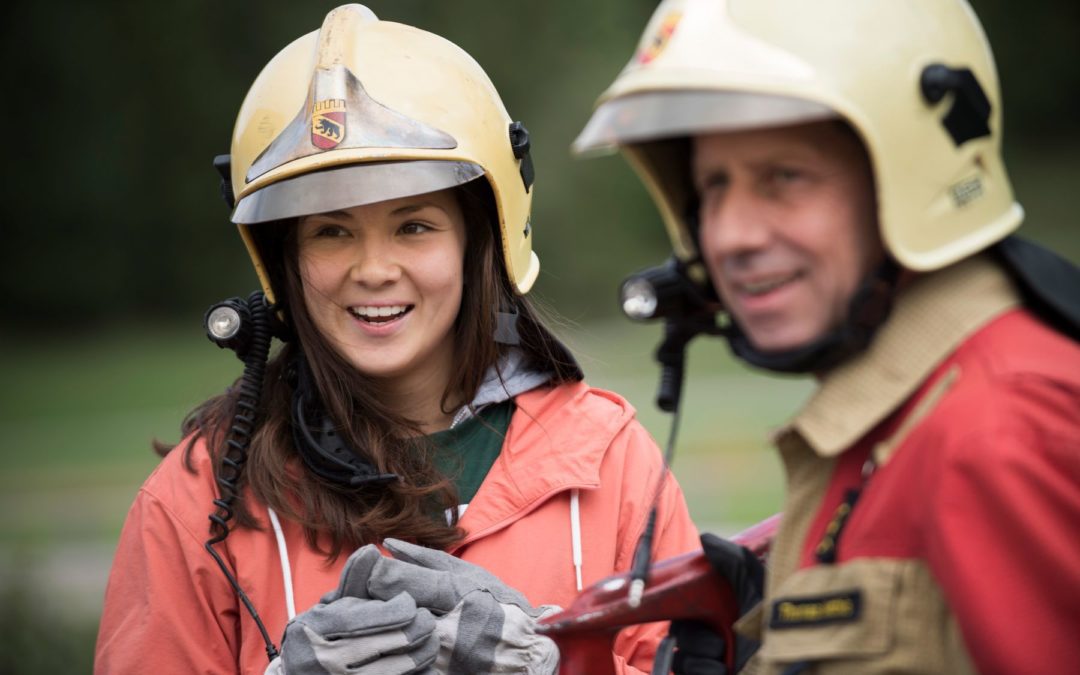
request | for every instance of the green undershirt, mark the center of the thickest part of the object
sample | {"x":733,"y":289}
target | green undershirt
{"x":466,"y":453}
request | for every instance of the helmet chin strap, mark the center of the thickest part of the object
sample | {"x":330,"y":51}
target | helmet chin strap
{"x":506,"y":330}
{"x":868,"y":310}
{"x":319,"y":440}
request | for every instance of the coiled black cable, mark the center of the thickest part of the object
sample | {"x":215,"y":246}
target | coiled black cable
{"x":253,"y":351}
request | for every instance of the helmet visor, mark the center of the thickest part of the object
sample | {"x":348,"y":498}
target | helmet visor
{"x":656,"y":115}
{"x":351,"y":185}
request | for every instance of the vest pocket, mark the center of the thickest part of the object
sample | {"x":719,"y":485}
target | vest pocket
{"x":844,"y":612}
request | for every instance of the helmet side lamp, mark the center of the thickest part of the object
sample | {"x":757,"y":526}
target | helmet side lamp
{"x":228,"y":324}
{"x":667,"y":292}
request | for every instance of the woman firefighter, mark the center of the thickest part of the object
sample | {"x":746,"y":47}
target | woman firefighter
{"x":417,"y":403}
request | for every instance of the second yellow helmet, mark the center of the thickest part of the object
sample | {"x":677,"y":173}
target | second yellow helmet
{"x":915,"y":80}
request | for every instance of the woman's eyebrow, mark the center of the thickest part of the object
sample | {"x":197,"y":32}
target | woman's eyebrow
{"x":335,"y":214}
{"x":413,"y":208}
{"x":401,"y":210}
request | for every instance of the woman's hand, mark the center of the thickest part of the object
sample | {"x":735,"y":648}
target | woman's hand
{"x":482,"y":624}
{"x":359,"y":636}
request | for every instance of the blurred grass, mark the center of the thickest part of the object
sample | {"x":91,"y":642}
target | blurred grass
{"x":77,"y":414}
{"x":77,"y":417}
{"x":55,"y":645}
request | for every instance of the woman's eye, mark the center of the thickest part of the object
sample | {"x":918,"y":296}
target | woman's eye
{"x":414,"y":228}
{"x":330,"y":231}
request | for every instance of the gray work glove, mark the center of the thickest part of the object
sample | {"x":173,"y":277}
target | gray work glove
{"x":484,"y":626}
{"x":358,"y":636}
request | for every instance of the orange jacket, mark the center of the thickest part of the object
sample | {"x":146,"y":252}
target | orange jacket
{"x":168,"y":608}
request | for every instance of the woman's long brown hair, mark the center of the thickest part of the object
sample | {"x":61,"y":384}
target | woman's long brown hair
{"x":336,"y":518}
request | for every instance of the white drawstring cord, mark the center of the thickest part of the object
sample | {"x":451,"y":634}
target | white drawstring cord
{"x":460,"y":512}
{"x":575,"y":535}
{"x":286,"y":568}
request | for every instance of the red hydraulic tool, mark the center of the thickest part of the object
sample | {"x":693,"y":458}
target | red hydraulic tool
{"x":685,"y":587}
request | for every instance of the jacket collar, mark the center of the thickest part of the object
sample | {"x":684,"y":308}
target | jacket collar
{"x":508,"y":378}
{"x":932,"y":317}
{"x":556,"y":441}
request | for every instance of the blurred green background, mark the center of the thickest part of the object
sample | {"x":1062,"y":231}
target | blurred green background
{"x":115,"y":240}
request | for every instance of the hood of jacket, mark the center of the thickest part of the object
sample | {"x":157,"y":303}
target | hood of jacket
{"x":503,"y":381}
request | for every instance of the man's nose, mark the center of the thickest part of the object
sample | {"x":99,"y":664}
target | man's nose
{"x":735,"y":225}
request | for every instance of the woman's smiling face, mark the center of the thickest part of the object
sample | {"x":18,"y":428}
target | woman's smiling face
{"x":383,"y":284}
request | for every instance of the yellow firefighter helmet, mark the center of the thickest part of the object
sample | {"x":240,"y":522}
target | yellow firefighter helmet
{"x":364,"y":110}
{"x":915,"y":80}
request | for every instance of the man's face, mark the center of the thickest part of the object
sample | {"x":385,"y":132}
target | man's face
{"x":788,"y":227}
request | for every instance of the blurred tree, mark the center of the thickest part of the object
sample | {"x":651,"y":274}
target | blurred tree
{"x":1038,"y":59}
{"x":115,"y":110}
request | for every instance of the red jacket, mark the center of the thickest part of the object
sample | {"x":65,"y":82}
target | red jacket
{"x":168,"y":607}
{"x":986,"y":490}
{"x":962,"y":550}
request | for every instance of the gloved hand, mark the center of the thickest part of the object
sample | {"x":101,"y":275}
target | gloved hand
{"x":484,"y":626}
{"x":700,"y":649}
{"x":359,"y":637}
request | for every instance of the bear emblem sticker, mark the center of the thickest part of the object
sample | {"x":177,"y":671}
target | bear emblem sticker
{"x":328,"y":123}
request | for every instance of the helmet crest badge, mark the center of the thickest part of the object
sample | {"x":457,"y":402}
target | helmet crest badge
{"x":659,"y":40}
{"x":328,"y":123}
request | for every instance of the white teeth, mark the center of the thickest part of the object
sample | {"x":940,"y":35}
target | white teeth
{"x":373,"y":312}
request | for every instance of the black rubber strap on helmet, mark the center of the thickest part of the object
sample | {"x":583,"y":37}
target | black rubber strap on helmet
{"x":969,"y":113}
{"x":1049,"y":284}
{"x":519,"y":142}
{"x":223,"y":165}
{"x":319,"y":442}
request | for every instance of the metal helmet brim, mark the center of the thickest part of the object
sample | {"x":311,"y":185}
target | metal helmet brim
{"x":351,"y":185}
{"x":657,"y":115}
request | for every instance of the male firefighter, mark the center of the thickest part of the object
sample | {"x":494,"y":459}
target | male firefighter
{"x":834,"y":169}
